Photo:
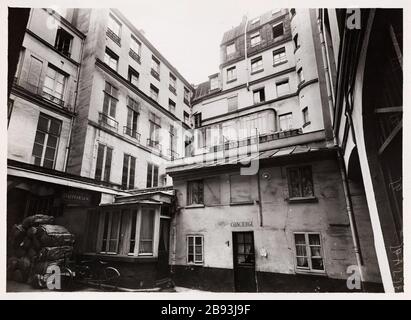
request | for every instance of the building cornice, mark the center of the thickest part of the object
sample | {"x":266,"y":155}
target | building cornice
{"x":66,"y":23}
{"x":27,"y":95}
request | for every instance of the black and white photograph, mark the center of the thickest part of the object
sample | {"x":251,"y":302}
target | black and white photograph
{"x":185,"y":148}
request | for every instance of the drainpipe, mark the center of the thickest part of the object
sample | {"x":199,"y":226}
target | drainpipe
{"x":341,"y":164}
{"x":245,"y":53}
{"x":327,"y":74}
{"x":67,"y":152}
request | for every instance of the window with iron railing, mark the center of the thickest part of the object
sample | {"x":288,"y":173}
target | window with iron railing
{"x":155,"y":68}
{"x":135,"y":49}
{"x":114,"y":29}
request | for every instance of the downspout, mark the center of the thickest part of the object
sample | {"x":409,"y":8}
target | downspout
{"x":341,"y":164}
{"x":245,"y":53}
{"x":67,"y":152}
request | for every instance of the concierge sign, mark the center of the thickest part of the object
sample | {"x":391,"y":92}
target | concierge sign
{"x":76,"y":197}
{"x":241,"y":224}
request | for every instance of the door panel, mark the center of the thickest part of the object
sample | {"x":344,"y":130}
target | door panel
{"x":244,"y":261}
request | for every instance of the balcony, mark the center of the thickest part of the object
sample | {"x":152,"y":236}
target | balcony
{"x":155,"y":74}
{"x":113,"y":37}
{"x":131,"y":133}
{"x":173,"y":155}
{"x":108,"y":122}
{"x":172,"y":89}
{"x":154,"y":144}
{"x":38,"y":91}
{"x":135,"y":56}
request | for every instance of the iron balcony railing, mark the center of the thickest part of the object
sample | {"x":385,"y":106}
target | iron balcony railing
{"x":38,"y":91}
{"x":134,"y":55}
{"x":173,"y":155}
{"x":113,"y":36}
{"x":153,"y":144}
{"x":107,"y":121}
{"x":132,"y":133}
{"x":155,"y":74}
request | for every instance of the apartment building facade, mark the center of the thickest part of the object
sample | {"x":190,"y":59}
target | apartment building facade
{"x":262,"y":204}
{"x":362,"y":51}
{"x":102,"y":112}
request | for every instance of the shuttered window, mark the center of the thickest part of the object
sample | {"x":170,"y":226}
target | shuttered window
{"x":103,"y":163}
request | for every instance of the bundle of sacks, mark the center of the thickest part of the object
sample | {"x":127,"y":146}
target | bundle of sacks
{"x":35,"y":245}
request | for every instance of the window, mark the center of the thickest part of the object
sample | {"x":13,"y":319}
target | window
{"x":300,"y":182}
{"x":300,"y":75}
{"x":255,"y":39}
{"x":103,"y":164}
{"x":214,"y":83}
{"x":63,"y":42}
{"x":231,"y":74}
{"x":171,"y":106}
{"x":135,"y":49}
{"x":132,"y":118}
{"x":256,"y":65}
{"x":232,"y":103}
{"x":111,"y":59}
{"x":230,"y":49}
{"x":153,"y":92}
{"x":54,"y":84}
{"x":197,"y":120}
{"x":195,"y":249}
{"x":110,"y":100}
{"x":195,"y":192}
{"x":114,"y":26}
{"x":173,"y":83}
{"x":173,"y":142}
{"x":285,"y":121}
{"x":46,"y":141}
{"x":278,"y":30}
{"x":154,"y":139}
{"x":152,"y":175}
{"x":146,"y":231}
{"x":306,"y":119}
{"x":133,"y":227}
{"x":111,"y":232}
{"x":186,"y":117}
{"x":155,"y":68}
{"x":240,"y":189}
{"x":129,"y":169}
{"x":133,"y":76}
{"x":279,"y":56}
{"x":296,"y":42}
{"x":186,"y":96}
{"x":283,"y":87}
{"x":259,"y":95}
{"x":308,"y":252}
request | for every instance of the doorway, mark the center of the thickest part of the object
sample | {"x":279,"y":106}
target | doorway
{"x":244,"y":262}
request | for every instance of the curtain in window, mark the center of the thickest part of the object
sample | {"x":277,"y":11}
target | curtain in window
{"x":147,"y":231}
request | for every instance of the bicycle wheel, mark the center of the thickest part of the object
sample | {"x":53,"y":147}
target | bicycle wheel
{"x":111,"y":276}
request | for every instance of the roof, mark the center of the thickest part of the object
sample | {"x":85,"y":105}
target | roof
{"x":201,"y":90}
{"x":239,"y":30}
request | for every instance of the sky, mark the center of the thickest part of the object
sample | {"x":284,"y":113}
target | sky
{"x":188,"y":33}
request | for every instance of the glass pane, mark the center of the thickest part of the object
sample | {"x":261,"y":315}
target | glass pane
{"x":190,"y":258}
{"x":50,"y":152}
{"x":52,"y":142}
{"x":198,"y":240}
{"x":133,"y":231}
{"x":299,"y":238}
{"x":190,"y":249}
{"x":307,"y":182}
{"x":43,"y":124}
{"x":55,"y":128}
{"x":301,"y":250}
{"x":37,"y":150}
{"x":37,"y":161}
{"x":248,"y":238}
{"x":198,"y":250}
{"x":294,"y":182}
{"x":107,"y":166}
{"x":190,"y":241}
{"x":240,"y":248}
{"x":48,"y":163}
{"x":199,"y":257}
{"x":317,"y":264}
{"x":315,"y":251}
{"x":302,"y":262}
{"x":314,"y":239}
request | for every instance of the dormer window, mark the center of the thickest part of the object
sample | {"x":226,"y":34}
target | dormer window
{"x":278,"y":30}
{"x":230,"y":49}
{"x":255,"y":39}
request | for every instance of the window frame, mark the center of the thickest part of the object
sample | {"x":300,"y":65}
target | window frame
{"x":58,"y":72}
{"x":231,"y":74}
{"x":112,"y":56}
{"x":256,"y":61}
{"x":259,"y":90}
{"x":276,"y":26}
{"x":129,"y":177}
{"x":105,"y":177}
{"x":254,"y":36}
{"x":68,"y":36}
{"x":214,"y":83}
{"x":280,"y":83}
{"x":281,"y":52}
{"x":301,"y":195}
{"x":190,"y":183}
{"x":309,"y":256}
{"x":153,"y":215}
{"x":154,"y":89}
{"x":117,"y":21}
{"x":194,"y":236}
{"x":47,"y":135}
{"x":152,"y":175}
{"x":228,"y":51}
